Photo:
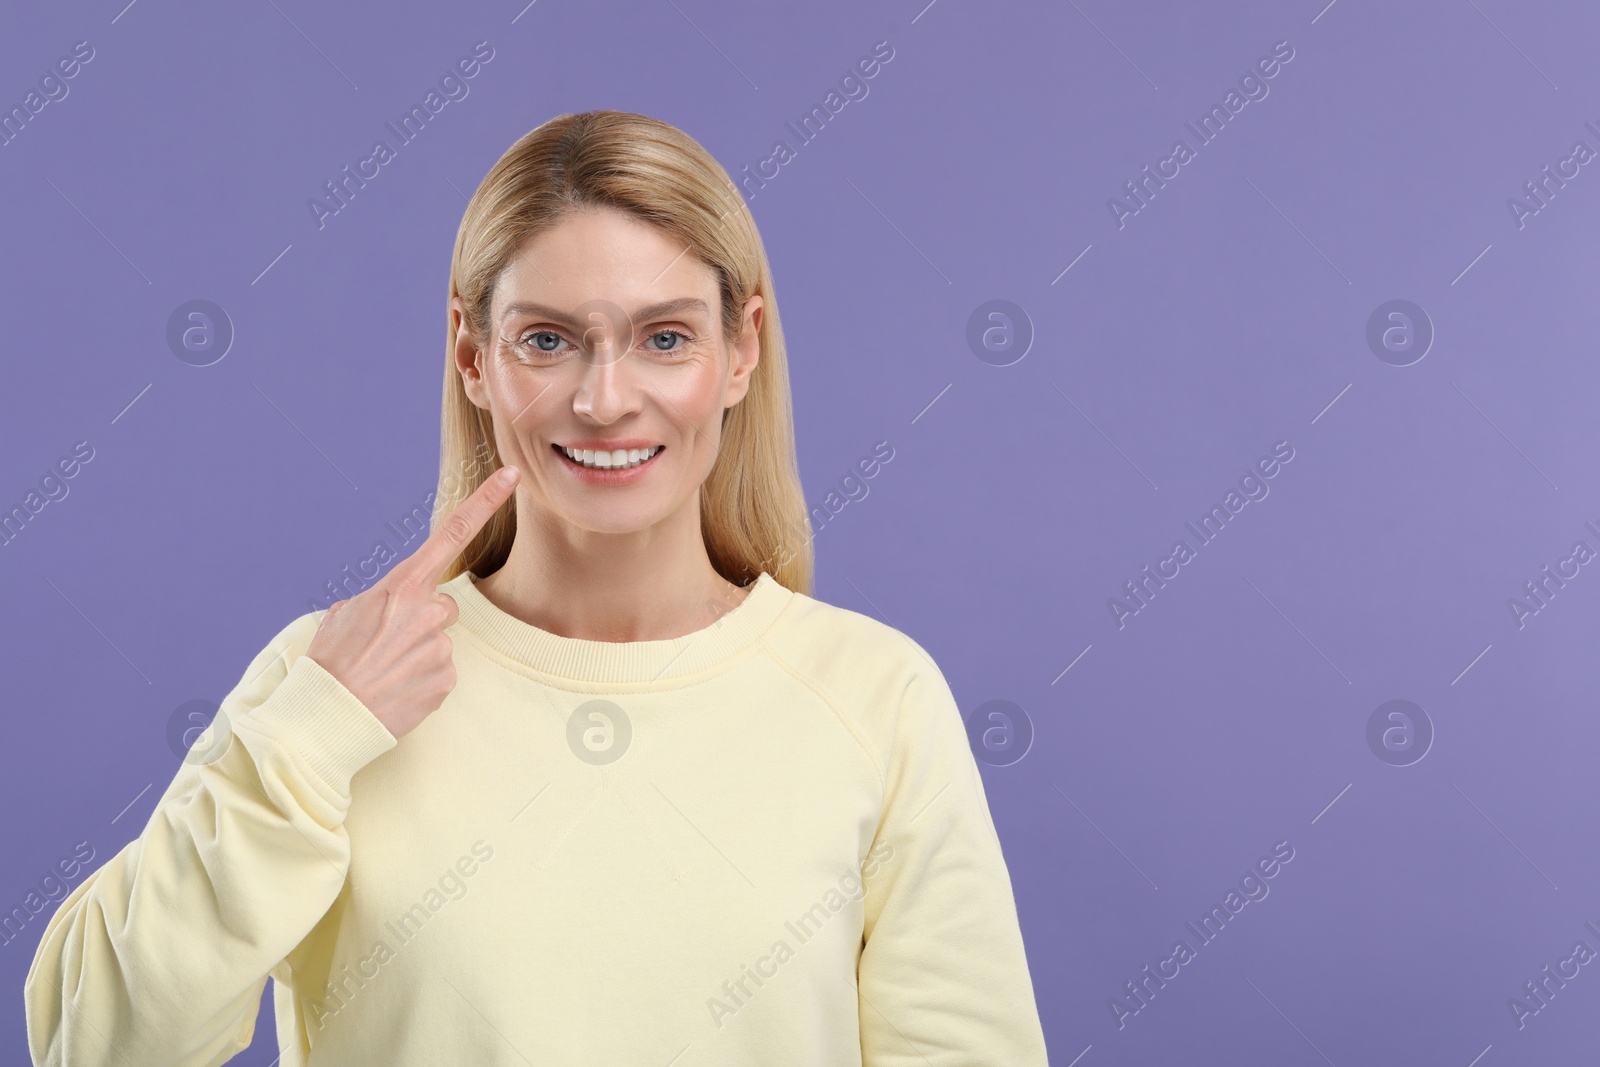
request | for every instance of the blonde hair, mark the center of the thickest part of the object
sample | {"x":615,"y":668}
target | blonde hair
{"x":752,"y":508}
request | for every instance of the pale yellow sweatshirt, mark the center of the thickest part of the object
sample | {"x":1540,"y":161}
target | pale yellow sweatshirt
{"x":763,"y":843}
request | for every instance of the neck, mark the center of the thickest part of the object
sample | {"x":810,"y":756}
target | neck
{"x":644,"y":585}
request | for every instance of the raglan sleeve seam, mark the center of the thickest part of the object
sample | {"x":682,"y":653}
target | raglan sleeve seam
{"x":879,"y":773}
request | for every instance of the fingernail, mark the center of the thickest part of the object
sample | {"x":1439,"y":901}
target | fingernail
{"x":507,"y":475}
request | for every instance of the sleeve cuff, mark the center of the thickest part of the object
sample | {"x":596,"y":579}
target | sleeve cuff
{"x":325,"y":723}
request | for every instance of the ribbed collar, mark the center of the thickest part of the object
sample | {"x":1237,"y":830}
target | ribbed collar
{"x":579,"y":660}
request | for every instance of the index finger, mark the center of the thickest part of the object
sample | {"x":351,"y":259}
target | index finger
{"x":425,"y":567}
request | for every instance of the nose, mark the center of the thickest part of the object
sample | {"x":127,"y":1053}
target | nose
{"x":605,"y":387}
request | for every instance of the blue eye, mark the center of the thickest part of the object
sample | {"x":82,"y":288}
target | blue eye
{"x":670,"y":333}
{"x":543,"y":335}
{"x":548,"y":342}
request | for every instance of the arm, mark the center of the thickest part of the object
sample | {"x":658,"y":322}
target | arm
{"x":161,"y":955}
{"x":943,"y":979}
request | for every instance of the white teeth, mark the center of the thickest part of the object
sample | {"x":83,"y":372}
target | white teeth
{"x":615,"y":460}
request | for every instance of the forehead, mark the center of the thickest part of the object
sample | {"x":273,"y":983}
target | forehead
{"x":602,"y":253}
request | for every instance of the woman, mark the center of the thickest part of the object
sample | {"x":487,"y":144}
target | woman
{"x":589,"y":778}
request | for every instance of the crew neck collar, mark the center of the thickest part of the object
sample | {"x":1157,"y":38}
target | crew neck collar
{"x":575,"y":659}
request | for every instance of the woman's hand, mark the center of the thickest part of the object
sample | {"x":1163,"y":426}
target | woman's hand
{"x":387,"y":644}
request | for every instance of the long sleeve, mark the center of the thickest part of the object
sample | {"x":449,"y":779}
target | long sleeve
{"x":160,"y":956}
{"x":943,"y":979}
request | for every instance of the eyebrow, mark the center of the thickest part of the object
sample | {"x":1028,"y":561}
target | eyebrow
{"x":653,"y":311}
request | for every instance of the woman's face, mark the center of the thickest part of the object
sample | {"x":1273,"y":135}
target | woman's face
{"x":604,"y":334}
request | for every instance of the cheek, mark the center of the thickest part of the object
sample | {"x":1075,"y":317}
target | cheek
{"x":506,"y":382}
{"x":518,"y":393}
{"x":694,"y":395}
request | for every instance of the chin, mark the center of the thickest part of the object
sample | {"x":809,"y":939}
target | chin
{"x":611,"y":522}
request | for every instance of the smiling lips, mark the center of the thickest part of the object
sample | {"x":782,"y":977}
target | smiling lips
{"x":617,"y":459}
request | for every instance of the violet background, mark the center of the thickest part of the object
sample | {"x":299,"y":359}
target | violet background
{"x":1229,"y":314}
